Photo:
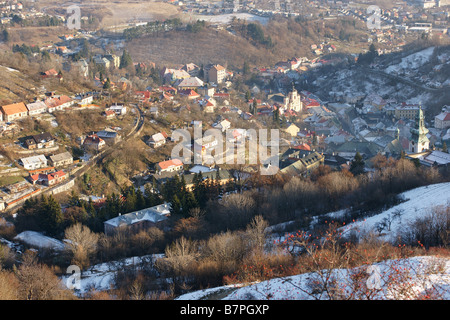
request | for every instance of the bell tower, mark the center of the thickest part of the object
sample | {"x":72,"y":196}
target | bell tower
{"x":419,"y":141}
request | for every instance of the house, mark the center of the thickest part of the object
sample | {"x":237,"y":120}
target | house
{"x":189,"y":83}
{"x":93,"y":142}
{"x":109,"y":135}
{"x":215,"y":73}
{"x":192,"y":69}
{"x":173,"y":165}
{"x":34,"y":162}
{"x":14,"y":111}
{"x":442,"y":120}
{"x":189,"y":93}
{"x":157,"y":140}
{"x":84,"y":99}
{"x":49,"y":179}
{"x":36,"y":108}
{"x":109,"y":114}
{"x":120,"y":110}
{"x":52,"y":73}
{"x":58,"y":103}
{"x":292,"y":130}
{"x":223,"y":125}
{"x":300,"y":162}
{"x":39,"y":141}
{"x":61,"y":159}
{"x":137,"y":221}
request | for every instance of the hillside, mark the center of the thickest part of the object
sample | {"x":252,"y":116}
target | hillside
{"x":419,"y":281}
{"x":419,"y":273}
{"x":417,"y":202}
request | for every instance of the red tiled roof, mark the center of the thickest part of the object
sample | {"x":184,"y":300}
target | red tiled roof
{"x":170,"y":163}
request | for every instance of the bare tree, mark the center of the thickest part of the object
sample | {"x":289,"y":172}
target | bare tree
{"x":81,"y":243}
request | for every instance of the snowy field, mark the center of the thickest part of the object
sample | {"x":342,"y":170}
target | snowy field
{"x":418,"y":280}
{"x":418,"y":203}
{"x":413,"y":61}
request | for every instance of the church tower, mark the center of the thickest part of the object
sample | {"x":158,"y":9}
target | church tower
{"x":419,"y":141}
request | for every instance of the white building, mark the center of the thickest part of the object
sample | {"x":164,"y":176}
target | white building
{"x":34,"y":162}
{"x":118,"y":109}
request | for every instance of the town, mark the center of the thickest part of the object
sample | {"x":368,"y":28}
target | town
{"x":91,"y":120}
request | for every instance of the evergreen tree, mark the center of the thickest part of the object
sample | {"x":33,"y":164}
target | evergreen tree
{"x":50,"y":215}
{"x":357,"y":165}
{"x":125,"y":60}
{"x":175,"y":205}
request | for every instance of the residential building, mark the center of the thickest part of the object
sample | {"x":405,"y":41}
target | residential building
{"x":406,"y":111}
{"x":442,"y":120}
{"x":61,"y":159}
{"x":300,"y":162}
{"x":157,"y":140}
{"x":137,"y":221}
{"x":14,"y":111}
{"x":215,"y":73}
{"x":189,"y":83}
{"x":39,"y":141}
{"x":192,"y":69}
{"x":120,"y":110}
{"x":36,"y":108}
{"x":173,"y":165}
{"x":93,"y":142}
{"x":292,"y":130}
{"x":83,"y":99}
{"x":58,"y":103}
{"x":49,"y":179}
{"x":34,"y":162}
{"x":109,"y":135}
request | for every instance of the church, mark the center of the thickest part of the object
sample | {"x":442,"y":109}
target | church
{"x":419,"y":141}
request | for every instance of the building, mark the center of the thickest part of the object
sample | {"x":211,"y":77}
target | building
{"x":189,"y":83}
{"x":173,"y":165}
{"x":120,"y":110}
{"x":93,"y":142}
{"x":300,"y":162}
{"x":58,"y":103}
{"x":61,"y":159}
{"x":36,"y":108}
{"x":292,"y":130}
{"x":14,"y":111}
{"x":419,"y":141}
{"x":442,"y":120}
{"x":192,"y":69}
{"x":293,"y":101}
{"x":39,"y":141}
{"x":84,"y":99}
{"x":49,"y":179}
{"x":406,"y":111}
{"x":156,"y":140}
{"x":137,"y":221}
{"x":215,"y":73}
{"x":109,"y":136}
{"x":34,"y":162}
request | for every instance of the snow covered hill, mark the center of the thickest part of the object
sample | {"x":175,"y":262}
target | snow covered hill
{"x":415,"y":276}
{"x":386,"y":279}
{"x":418,"y":203}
